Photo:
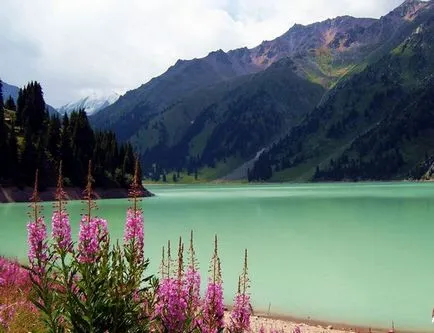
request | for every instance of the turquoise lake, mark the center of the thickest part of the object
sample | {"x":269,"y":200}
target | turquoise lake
{"x":356,"y":253}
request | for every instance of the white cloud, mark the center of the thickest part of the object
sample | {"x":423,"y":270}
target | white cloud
{"x":75,"y":47}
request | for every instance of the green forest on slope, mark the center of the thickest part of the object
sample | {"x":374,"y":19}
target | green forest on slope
{"x":375,"y":125}
{"x":31,"y":138}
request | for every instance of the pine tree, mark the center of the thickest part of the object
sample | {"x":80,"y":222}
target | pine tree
{"x":53,"y":138}
{"x":12,"y":156}
{"x":10,"y":104}
{"x":65,"y":149}
{"x":3,"y":134}
{"x":20,"y":108}
{"x":29,"y":159}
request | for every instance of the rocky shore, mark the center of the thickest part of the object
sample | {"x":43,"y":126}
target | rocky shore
{"x":15,"y":194}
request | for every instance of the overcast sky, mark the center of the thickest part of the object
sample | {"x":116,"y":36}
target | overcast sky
{"x":78,"y":47}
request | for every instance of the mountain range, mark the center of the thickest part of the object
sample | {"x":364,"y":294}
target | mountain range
{"x":91,"y":104}
{"x":343,"y":99}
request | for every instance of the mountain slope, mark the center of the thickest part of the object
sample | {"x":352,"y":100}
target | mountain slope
{"x":91,"y":104}
{"x":10,"y":90}
{"x":227,"y":123}
{"x":322,"y":86}
{"x":377,"y":124}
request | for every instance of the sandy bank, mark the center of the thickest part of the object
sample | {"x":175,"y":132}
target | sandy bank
{"x":287,"y":324}
{"x":14,"y":194}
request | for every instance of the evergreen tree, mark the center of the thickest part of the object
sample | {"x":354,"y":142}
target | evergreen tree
{"x":53,"y":140}
{"x":28,"y":163}
{"x":20,"y":107}
{"x":10,"y":104}
{"x":3,"y":134}
{"x":48,"y":140}
{"x":31,"y":109}
{"x":12,"y":156}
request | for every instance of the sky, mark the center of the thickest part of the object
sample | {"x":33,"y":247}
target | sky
{"x":75,"y":48}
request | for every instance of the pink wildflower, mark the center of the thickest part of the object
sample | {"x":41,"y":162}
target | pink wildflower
{"x":171,"y":305}
{"x":213,"y":310}
{"x":262,"y":329}
{"x":192,"y":289}
{"x":240,"y":315}
{"x":12,"y":274}
{"x":211,"y":320}
{"x":7,"y":312}
{"x":61,"y":230}
{"x":36,"y":235}
{"x":134,"y":230}
{"x":296,"y":329}
{"x":192,"y":285}
{"x":92,"y":233}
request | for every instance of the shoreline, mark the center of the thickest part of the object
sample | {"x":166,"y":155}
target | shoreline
{"x":311,"y":325}
{"x":14,"y":194}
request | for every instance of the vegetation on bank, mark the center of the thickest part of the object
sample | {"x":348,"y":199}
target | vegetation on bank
{"x":31,"y":138}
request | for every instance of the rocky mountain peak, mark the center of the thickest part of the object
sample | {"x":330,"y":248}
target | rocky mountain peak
{"x":409,"y":9}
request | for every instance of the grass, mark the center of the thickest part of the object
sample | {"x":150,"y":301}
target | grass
{"x":204,"y":176}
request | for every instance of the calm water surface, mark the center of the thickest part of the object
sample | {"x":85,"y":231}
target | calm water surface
{"x":357,"y":253}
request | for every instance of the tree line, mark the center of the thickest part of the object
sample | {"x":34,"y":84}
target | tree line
{"x":31,"y":138}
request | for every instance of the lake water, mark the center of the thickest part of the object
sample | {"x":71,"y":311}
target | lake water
{"x":356,"y":253}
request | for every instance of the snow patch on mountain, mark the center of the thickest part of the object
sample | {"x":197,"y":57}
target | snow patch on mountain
{"x":91,"y":104}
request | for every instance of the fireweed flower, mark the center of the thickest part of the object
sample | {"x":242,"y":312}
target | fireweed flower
{"x":240,"y":315}
{"x":92,"y":233}
{"x":61,"y":230}
{"x":12,"y":274}
{"x":134,"y":230}
{"x":36,"y":237}
{"x":213,"y":310}
{"x":192,"y":289}
{"x":192,"y":285}
{"x":171,"y":304}
{"x":212,"y":320}
{"x":173,"y":295}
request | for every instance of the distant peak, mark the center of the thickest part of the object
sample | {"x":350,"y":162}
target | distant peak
{"x":218,"y":52}
{"x":409,"y":8}
{"x":297,"y":26}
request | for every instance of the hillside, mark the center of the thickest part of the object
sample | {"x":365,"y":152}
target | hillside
{"x":375,"y":125}
{"x":304,"y":97}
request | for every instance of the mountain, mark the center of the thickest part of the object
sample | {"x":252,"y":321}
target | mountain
{"x":11,"y":90}
{"x":292,"y":106}
{"x":91,"y":104}
{"x":377,"y":124}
